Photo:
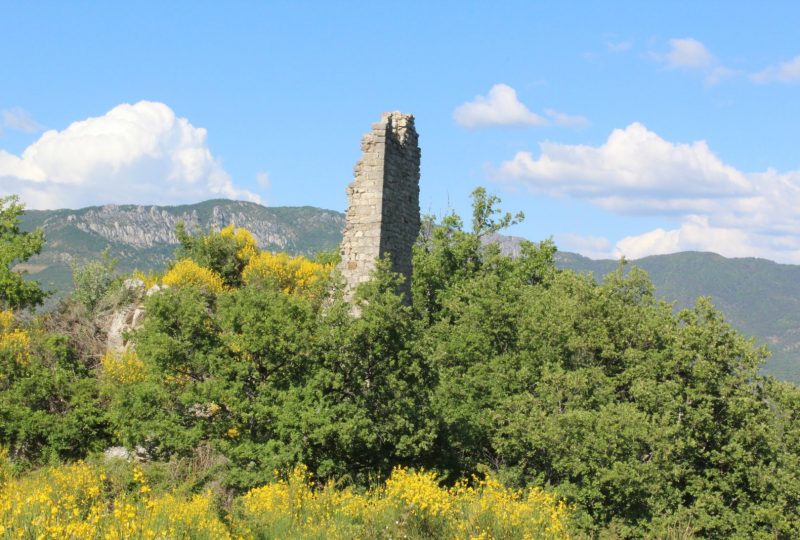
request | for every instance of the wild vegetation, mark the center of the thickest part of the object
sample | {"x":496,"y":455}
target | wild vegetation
{"x":86,"y":501}
{"x":758,"y":297}
{"x":510,"y":398}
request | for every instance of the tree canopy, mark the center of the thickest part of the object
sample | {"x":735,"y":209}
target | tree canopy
{"x":17,"y":247}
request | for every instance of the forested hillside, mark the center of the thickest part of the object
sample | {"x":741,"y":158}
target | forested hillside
{"x":505,"y":373}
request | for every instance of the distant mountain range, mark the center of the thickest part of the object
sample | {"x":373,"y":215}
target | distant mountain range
{"x":759,"y":297}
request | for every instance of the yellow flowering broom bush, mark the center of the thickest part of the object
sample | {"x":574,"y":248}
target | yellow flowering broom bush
{"x":186,"y":272}
{"x":291,"y":274}
{"x":14,"y":342}
{"x":409,"y":505}
{"x":123,"y":368}
{"x":80,"y":501}
{"x":246,"y":244}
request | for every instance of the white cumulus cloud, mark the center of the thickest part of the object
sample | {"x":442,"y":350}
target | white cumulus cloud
{"x":140,"y":153}
{"x":499,"y":108}
{"x":634,"y":165}
{"x":716,"y":207}
{"x":698,"y":234}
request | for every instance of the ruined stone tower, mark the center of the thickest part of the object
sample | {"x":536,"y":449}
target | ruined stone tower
{"x":383,"y":202}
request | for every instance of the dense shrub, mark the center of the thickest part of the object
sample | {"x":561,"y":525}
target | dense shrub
{"x":49,"y":399}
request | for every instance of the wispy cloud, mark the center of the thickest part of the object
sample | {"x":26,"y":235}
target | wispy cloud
{"x":718,"y":74}
{"x":263,"y":180}
{"x":567,"y":120}
{"x":716,"y":207}
{"x":19,"y":120}
{"x":689,"y":54}
{"x":785,"y":72}
{"x":136,"y":153}
{"x":619,"y":46}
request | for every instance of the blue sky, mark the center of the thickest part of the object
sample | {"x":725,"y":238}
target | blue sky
{"x":618,"y":128}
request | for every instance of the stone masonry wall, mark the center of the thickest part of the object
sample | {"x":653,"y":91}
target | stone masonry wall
{"x":382,"y":216}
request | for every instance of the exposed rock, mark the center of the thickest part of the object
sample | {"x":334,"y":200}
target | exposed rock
{"x":133,"y":285}
{"x":123,"y":322}
{"x":117,"y":452}
{"x":146,"y":226}
{"x":510,"y":246}
{"x":155,"y":288}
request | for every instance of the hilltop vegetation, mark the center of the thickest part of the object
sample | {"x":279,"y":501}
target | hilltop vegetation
{"x":758,"y":297}
{"x":643,"y":421}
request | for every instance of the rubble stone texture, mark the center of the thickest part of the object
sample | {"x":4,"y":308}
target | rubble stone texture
{"x":382,"y":216}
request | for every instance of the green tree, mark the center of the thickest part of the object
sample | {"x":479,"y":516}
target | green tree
{"x":650,"y":423}
{"x":93,"y":280}
{"x":486,"y":217}
{"x":368,"y":402}
{"x":17,"y":247}
{"x":49,"y":402}
{"x":214,"y":250}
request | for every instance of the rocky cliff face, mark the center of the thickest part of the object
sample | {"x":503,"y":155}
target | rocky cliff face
{"x":147,"y":226}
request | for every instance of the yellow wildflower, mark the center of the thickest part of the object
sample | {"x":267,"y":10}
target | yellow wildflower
{"x":245,"y":242}
{"x":124,"y":368}
{"x":291,"y":274}
{"x":186,"y":272}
